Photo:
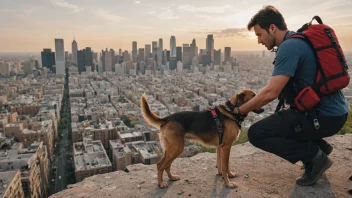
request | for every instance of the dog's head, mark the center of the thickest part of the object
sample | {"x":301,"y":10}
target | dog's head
{"x":242,"y":97}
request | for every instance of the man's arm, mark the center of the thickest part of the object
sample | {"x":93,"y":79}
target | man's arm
{"x":270,"y":92}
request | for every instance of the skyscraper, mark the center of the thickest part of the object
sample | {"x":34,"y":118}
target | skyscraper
{"x":88,"y":57}
{"x":154,"y":49}
{"x":48,"y":59}
{"x":147,"y":52}
{"x":178,"y":54}
{"x":141,"y":54}
{"x":217,"y":57}
{"x":160,"y":51}
{"x":172,"y":46}
{"x":186,"y":55}
{"x":210,"y":46}
{"x":60,"y":56}
{"x":74,"y":51}
{"x":81,"y":61}
{"x":193,"y":51}
{"x":134,"y":51}
{"x":227,"y":54}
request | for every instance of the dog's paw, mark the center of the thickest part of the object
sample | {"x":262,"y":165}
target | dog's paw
{"x":175,"y":178}
{"x":231,"y":185}
{"x":232,"y":174}
{"x":163,"y":185}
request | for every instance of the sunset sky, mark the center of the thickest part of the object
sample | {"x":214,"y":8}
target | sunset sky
{"x":31,"y":25}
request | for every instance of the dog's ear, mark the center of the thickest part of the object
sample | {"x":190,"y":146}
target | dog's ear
{"x":240,"y":96}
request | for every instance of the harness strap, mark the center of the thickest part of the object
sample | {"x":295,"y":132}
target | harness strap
{"x":218,"y":125}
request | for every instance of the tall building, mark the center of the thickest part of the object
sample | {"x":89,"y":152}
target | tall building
{"x":48,"y":59}
{"x":74,"y":51}
{"x":88,"y":57}
{"x":134,"y":51}
{"x":28,"y":66}
{"x":217,"y":57}
{"x":154,"y":49}
{"x":227,"y":54}
{"x":109,"y":60}
{"x":193,"y":51}
{"x":141,"y":54}
{"x":80,"y":61}
{"x":186,"y":58}
{"x":160,"y":51}
{"x":60,"y":56}
{"x":210,"y":46}
{"x":147,"y":52}
{"x":5,"y":68}
{"x":178,"y":54}
{"x":172,"y":46}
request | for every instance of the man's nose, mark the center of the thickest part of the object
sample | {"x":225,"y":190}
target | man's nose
{"x":259,"y":40}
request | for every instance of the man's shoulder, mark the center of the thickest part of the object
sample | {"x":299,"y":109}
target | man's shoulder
{"x":294,"y":43}
{"x":294,"y":47}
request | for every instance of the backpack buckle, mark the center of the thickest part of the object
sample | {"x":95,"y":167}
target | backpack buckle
{"x":316,"y":123}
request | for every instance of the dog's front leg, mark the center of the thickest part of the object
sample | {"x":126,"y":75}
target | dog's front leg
{"x":218,"y":159}
{"x":225,"y":155}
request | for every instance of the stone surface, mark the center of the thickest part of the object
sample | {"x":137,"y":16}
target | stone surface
{"x":260,"y":174}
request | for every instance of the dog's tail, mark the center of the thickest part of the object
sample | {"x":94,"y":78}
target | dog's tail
{"x":148,"y":115}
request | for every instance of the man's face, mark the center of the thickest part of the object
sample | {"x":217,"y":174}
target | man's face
{"x":265,"y":38}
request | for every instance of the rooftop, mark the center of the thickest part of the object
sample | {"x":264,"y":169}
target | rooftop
{"x":5,"y":179}
{"x":129,"y":134}
{"x":17,"y":157}
{"x":146,"y":149}
{"x":89,"y":154}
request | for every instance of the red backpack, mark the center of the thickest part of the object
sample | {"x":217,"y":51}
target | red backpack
{"x":332,"y":72}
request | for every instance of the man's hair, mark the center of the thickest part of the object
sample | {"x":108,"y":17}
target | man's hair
{"x":265,"y":17}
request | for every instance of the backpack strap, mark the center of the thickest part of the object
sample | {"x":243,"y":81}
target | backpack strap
{"x":323,"y":80}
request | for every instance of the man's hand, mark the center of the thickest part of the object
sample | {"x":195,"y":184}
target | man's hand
{"x":270,"y":92}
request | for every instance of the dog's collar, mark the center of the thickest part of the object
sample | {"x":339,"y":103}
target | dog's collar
{"x":237,"y":117}
{"x":230,"y":105}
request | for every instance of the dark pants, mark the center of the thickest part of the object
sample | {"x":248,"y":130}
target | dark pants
{"x":291,"y":135}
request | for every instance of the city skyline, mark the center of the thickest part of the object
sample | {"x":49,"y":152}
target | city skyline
{"x":106,"y":24}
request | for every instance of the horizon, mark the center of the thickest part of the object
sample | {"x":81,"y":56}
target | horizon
{"x":107,"y":24}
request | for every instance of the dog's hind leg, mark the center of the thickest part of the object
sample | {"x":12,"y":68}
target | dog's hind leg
{"x":160,"y":169}
{"x":173,"y":142}
{"x":177,"y":149}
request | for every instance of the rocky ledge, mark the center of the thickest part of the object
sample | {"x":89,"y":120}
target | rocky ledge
{"x":260,"y":174}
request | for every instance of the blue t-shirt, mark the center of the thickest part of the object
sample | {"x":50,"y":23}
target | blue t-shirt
{"x":296,"y":58}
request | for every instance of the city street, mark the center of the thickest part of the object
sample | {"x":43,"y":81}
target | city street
{"x":62,"y":162}
{"x":63,"y":152}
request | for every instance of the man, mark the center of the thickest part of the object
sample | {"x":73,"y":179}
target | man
{"x":290,"y":133}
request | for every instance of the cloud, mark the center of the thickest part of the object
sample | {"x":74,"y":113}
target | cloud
{"x":164,"y":14}
{"x":64,"y":4}
{"x":108,"y":16}
{"x":208,"y":9}
{"x":136,"y":2}
{"x":229,"y":32}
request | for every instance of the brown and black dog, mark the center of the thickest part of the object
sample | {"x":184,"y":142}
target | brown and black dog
{"x":200,"y":126}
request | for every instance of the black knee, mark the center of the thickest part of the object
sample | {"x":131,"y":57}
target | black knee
{"x":253,"y":134}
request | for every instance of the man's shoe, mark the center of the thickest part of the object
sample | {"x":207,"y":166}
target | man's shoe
{"x":318,"y":167}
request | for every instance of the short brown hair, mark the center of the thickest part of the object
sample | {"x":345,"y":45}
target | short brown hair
{"x":265,"y":17}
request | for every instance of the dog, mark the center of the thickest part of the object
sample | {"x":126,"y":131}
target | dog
{"x":202,"y":127}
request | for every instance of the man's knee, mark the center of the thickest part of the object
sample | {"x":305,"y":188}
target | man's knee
{"x":253,"y":133}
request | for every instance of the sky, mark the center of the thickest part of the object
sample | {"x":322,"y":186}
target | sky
{"x":31,"y":25}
